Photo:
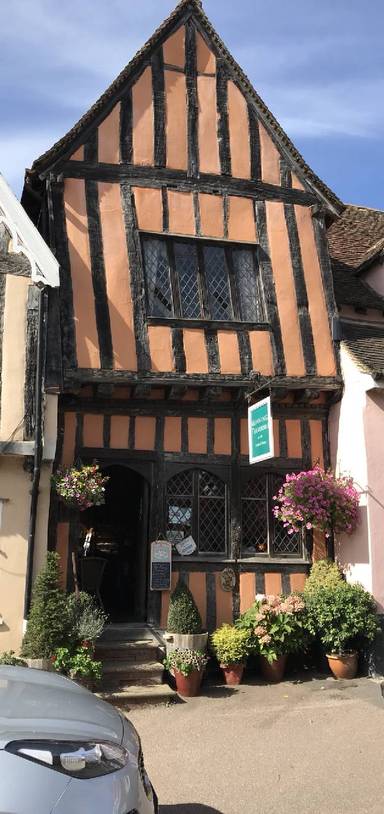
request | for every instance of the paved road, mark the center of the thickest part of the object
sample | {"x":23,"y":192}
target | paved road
{"x":315,"y":747}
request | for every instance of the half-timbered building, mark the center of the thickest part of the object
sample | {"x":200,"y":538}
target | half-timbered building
{"x":195,"y":275}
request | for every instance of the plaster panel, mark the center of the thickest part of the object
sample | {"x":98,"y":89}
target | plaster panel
{"x":241,"y":220}
{"x":181,"y":213}
{"x":109,"y":137}
{"x":78,"y":155}
{"x":197,"y":586}
{"x":224,"y":610}
{"x":160,"y":347}
{"x":70,"y":425}
{"x":119,"y":432}
{"x":207,"y":125}
{"x":142,"y":119}
{"x":229,"y":352}
{"x":238,"y":132}
{"x":149,"y":209}
{"x":261,"y":349}
{"x":13,"y":358}
{"x":174,"y":48}
{"x":294,"y":446}
{"x":172,"y":434}
{"x":145,"y":430}
{"x":211,"y":215}
{"x":206,"y":60}
{"x":247,"y":591}
{"x":222,"y":436}
{"x":176,"y":120}
{"x":270,"y":158}
{"x":195,"y":350}
{"x":93,"y":430}
{"x":197,"y":435}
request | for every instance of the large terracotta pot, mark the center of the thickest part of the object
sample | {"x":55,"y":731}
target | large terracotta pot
{"x":273,"y":673}
{"x":233,"y":673}
{"x":188,"y":686}
{"x":343,"y":665}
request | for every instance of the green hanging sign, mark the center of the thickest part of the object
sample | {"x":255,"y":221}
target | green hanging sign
{"x":260,"y":431}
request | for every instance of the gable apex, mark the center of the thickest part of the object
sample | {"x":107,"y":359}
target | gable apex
{"x":184,"y":11}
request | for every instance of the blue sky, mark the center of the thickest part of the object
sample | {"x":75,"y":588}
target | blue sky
{"x":318,"y":65}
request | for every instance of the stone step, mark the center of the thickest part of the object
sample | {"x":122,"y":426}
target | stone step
{"x":138,"y":695}
{"x":127,"y":651}
{"x":128,"y":632}
{"x":121,"y":674}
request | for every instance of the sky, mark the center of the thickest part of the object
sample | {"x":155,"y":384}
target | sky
{"x":319,"y":66}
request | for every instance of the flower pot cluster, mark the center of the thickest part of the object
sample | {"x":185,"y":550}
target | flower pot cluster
{"x":339,"y":616}
{"x":62,"y":629}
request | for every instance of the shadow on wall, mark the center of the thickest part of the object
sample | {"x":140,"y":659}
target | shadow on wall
{"x":189,"y":808}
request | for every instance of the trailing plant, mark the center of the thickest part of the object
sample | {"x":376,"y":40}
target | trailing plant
{"x":48,"y":625}
{"x":81,"y":487}
{"x":320,"y":500}
{"x":276,"y":626}
{"x":183,"y":614}
{"x":87,"y":620}
{"x":230,"y":644}
{"x":185,"y":661}
{"x":323,"y":574}
{"x":9,"y":657}
{"x":343,"y":617}
{"x":78,"y":662}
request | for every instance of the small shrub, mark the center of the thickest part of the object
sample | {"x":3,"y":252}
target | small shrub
{"x":276,"y":626}
{"x":183,"y":615}
{"x":48,"y":623}
{"x":9,"y":657}
{"x":230,"y":644}
{"x":185,"y":661}
{"x":342,"y":617}
{"x":324,"y":574}
{"x":87,"y":620}
{"x":78,"y":662}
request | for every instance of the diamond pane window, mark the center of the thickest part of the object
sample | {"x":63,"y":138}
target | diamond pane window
{"x":247,"y":284}
{"x":186,"y":269}
{"x":197,"y":506}
{"x":254,"y":516}
{"x":284,"y":544}
{"x":216,"y":275}
{"x":158,"y":280}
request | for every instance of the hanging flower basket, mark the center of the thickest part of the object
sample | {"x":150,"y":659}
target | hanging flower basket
{"x":318,"y":499}
{"x":80,"y":487}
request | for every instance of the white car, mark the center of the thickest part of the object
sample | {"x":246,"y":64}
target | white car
{"x":64,"y":751}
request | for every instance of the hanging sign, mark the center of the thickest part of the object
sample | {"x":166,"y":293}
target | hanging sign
{"x":186,"y":546}
{"x":260,"y":431}
{"x":161,"y":565}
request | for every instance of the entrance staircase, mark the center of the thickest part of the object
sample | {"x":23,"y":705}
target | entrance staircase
{"x":133,"y":673}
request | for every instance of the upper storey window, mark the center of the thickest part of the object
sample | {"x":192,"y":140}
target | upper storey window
{"x":190,"y":279}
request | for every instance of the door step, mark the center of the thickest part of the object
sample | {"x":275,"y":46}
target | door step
{"x":136,"y":651}
{"x":120,"y":674}
{"x":139,"y":695}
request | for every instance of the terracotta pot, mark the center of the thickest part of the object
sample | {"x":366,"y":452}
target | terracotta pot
{"x":273,"y":673}
{"x":188,"y":686}
{"x":233,"y":673}
{"x":186,"y":641}
{"x":343,"y":665}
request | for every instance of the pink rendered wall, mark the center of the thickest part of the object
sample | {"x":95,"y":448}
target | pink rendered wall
{"x":373,"y":426}
{"x":375,"y":278}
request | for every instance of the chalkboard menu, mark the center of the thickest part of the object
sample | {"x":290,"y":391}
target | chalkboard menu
{"x":161,"y":565}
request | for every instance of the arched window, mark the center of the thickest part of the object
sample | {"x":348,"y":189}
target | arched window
{"x":197,"y":506}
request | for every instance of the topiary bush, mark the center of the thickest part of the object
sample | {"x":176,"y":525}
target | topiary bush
{"x":48,"y":625}
{"x":183,"y":614}
{"x":324,"y":574}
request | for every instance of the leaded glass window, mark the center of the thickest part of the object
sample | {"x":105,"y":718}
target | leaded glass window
{"x":262,"y":533}
{"x":198,"y":279}
{"x":197,"y":506}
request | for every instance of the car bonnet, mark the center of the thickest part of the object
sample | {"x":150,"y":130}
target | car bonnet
{"x":36,"y":705}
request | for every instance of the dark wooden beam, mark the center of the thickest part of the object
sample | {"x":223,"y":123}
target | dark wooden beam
{"x":301,"y":290}
{"x":158,"y":108}
{"x":213,"y":184}
{"x":268,"y":287}
{"x":105,"y":390}
{"x":141,"y":391}
{"x":67,"y":319}
{"x":254,"y":139}
{"x":126,"y":148}
{"x":137,"y":277}
{"x":222,"y":113}
{"x":192,"y":103}
{"x":98,"y":275}
{"x":176,"y":392}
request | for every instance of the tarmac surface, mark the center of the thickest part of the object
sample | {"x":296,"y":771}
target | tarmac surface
{"x":309,"y":746}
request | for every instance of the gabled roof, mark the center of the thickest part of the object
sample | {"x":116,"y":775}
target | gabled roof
{"x":29,"y":253}
{"x":366,"y":345}
{"x":357,"y":236}
{"x":352,"y":290}
{"x":100,"y":109}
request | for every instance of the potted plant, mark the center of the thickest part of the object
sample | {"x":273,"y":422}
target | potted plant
{"x":80,"y":487}
{"x":87,"y":619}
{"x":187,"y":666}
{"x":184,"y":625}
{"x":276,"y":627}
{"x":48,"y":624}
{"x":343,"y":616}
{"x":231,"y":647}
{"x":78,"y":664}
{"x":320,"y":500}
{"x":9,"y":658}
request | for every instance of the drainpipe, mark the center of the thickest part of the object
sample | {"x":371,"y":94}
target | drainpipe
{"x":38,"y":453}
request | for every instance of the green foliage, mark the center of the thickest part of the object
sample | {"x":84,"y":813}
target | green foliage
{"x":9,"y":657}
{"x":230,"y":644}
{"x":87,"y":620}
{"x":324,"y":574}
{"x":78,"y":662}
{"x":276,"y":626}
{"x":185,"y":661}
{"x":183,"y":615}
{"x":343,"y":617}
{"x":48,"y":623}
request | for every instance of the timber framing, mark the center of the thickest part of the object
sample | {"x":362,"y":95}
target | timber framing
{"x":191,"y":13}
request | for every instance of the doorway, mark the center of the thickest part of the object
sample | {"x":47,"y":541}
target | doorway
{"x":117,"y":553}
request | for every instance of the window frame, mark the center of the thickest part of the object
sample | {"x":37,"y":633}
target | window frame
{"x":270,"y":553}
{"x":196,"y":509}
{"x":202,"y":280}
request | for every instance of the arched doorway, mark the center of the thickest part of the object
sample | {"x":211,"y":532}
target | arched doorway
{"x":120,"y":537}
